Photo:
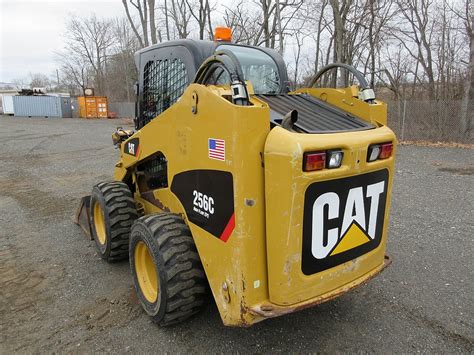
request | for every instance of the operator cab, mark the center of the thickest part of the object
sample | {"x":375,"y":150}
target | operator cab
{"x":166,"y":69}
{"x":258,"y":67}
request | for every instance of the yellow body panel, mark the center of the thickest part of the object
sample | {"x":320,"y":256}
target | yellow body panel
{"x":267,"y":180}
{"x":232,"y":268}
{"x":346,"y":99}
{"x":285,"y":207}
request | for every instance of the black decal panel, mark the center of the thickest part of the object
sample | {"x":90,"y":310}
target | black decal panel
{"x":343,"y":219}
{"x":132,"y":147}
{"x":208,"y":199}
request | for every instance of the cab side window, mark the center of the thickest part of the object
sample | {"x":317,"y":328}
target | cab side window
{"x":219,"y":76}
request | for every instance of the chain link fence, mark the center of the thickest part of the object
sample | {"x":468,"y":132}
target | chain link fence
{"x":123,"y":109}
{"x":436,"y":121}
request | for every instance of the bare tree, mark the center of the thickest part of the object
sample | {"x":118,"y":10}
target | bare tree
{"x":468,"y":92}
{"x":122,"y":73}
{"x":299,"y":37}
{"x":379,"y":13}
{"x":146,"y":15}
{"x":243,"y":22}
{"x":321,"y":24}
{"x":412,"y":47}
{"x":20,"y":83}
{"x":201,"y":12}
{"x":90,"y":39}
{"x":180,"y":16}
{"x":340,"y":15}
{"x":100,"y":54}
{"x":39,"y":80}
{"x":153,"y":32}
{"x":75,"y":70}
{"x":263,"y":22}
{"x":351,"y":27}
{"x":416,"y":34}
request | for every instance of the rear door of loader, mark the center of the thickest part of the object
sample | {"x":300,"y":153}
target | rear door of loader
{"x":325,"y":229}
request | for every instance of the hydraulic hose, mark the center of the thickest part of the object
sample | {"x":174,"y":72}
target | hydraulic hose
{"x":368,"y":96}
{"x":229,"y":62}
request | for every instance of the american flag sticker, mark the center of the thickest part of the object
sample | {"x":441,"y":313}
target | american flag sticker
{"x":216,"y":149}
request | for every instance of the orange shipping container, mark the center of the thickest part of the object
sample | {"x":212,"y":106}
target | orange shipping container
{"x":93,"y":107}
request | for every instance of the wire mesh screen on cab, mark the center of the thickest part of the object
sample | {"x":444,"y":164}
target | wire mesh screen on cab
{"x":164,"y":82}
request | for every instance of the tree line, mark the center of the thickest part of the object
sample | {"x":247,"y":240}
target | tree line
{"x":408,"y":49}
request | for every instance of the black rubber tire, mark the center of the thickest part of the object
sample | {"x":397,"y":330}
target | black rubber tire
{"x":182,"y":281}
{"x":120,"y":212}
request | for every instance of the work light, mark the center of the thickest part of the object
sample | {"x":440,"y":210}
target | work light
{"x":334,"y":159}
{"x":329,"y":159}
{"x":379,"y":151}
{"x":373,"y":153}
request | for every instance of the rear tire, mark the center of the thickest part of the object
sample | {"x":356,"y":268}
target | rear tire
{"x":166,"y":269}
{"x":112,"y":213}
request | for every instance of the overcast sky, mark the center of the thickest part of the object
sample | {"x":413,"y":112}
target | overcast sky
{"x":32,"y":30}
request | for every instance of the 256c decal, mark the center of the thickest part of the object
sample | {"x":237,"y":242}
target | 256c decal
{"x":343,"y":219}
{"x":203,"y":204}
{"x":208,"y":199}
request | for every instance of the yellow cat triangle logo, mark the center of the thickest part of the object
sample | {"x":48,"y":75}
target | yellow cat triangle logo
{"x":354,"y":237}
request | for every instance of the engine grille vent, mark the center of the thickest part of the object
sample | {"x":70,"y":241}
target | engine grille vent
{"x":314,"y":116}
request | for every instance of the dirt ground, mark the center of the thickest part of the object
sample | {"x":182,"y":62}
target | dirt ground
{"x":57,"y":295}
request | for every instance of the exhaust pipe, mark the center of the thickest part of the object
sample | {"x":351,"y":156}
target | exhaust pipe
{"x":289,"y":120}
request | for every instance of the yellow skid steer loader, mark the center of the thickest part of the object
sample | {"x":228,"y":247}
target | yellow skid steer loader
{"x":274,"y":200}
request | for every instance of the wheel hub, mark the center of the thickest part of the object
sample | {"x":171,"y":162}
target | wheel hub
{"x":99,"y":223}
{"x":146,"y":272}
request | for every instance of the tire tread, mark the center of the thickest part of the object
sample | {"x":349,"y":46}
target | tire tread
{"x":122,"y":211}
{"x":186,"y":280}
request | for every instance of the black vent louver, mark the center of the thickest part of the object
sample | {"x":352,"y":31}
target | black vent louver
{"x":314,"y":116}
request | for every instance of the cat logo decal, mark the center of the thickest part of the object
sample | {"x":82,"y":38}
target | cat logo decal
{"x":343,"y":219}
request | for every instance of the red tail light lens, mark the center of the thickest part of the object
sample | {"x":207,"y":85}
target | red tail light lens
{"x":385,"y":150}
{"x":379,"y":151}
{"x":314,"y":161}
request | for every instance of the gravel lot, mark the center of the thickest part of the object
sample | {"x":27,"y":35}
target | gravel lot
{"x":57,"y":295}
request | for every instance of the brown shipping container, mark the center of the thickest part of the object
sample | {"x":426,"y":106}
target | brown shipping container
{"x":93,"y":107}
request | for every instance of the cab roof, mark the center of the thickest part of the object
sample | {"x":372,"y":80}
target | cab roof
{"x":201,"y":50}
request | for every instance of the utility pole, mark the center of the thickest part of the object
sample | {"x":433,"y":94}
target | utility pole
{"x":57,"y":77}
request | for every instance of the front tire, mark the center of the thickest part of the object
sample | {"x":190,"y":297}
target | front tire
{"x":112,"y":213}
{"x":166,"y":269}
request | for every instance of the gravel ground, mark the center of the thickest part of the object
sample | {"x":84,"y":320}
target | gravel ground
{"x":57,"y":295}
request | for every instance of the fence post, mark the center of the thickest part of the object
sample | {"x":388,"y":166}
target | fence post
{"x":403,"y":120}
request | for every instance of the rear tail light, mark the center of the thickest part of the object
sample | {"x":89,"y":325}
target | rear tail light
{"x":385,"y":150}
{"x":314,"y":161}
{"x":379,"y":151}
{"x":330,"y":159}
